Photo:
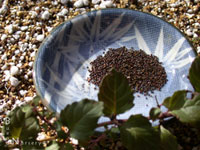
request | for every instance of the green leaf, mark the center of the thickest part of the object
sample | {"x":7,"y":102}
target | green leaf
{"x":138,"y":134}
{"x":53,"y":146}
{"x":189,"y":113}
{"x":21,"y":123}
{"x":15,"y":133}
{"x":194,"y":74}
{"x":36,"y":100}
{"x":81,"y":118}
{"x":168,"y":141}
{"x":66,"y":146}
{"x":176,"y":101}
{"x":30,"y":128}
{"x":116,"y":94}
{"x":28,"y":110}
{"x":154,"y":113}
{"x":17,"y":117}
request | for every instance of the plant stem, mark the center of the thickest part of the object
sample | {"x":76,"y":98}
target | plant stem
{"x":115,"y":121}
{"x":165,"y":115}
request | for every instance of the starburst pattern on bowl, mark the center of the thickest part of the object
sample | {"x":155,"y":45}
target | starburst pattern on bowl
{"x":60,"y":70}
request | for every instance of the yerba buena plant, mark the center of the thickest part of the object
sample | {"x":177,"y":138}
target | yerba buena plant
{"x":80,"y":119}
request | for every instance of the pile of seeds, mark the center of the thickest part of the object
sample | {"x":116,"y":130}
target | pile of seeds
{"x":144,"y":72}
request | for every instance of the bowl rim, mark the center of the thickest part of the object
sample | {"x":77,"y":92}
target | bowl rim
{"x":37,"y":88}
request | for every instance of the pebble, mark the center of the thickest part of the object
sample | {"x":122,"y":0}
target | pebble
{"x":33,"y":54}
{"x":64,"y":1}
{"x":24,"y":28}
{"x":10,"y":29}
{"x":14,"y":81}
{"x":45,"y":15}
{"x":23,"y":92}
{"x":102,"y":6}
{"x":14,"y":70}
{"x":28,"y":98}
{"x":189,"y":32}
{"x":79,"y":4}
{"x":198,"y":49}
{"x":74,"y":141}
{"x":40,"y":37}
{"x":3,"y":37}
{"x":33,"y":14}
{"x":3,"y":9}
{"x":85,"y":2}
{"x":63,"y":12}
{"x":108,"y":4}
{"x":30,"y":64}
{"x":4,"y":57}
{"x":4,"y":67}
{"x":96,"y":2}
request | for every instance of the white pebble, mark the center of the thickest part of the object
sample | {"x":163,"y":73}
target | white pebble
{"x":189,"y":32}
{"x":30,"y":64}
{"x":3,"y":37}
{"x":96,"y":1}
{"x":10,"y":29}
{"x":102,"y":6}
{"x":64,"y":11}
{"x":18,"y":32}
{"x":4,"y":67}
{"x":195,"y":35}
{"x":40,"y":37}
{"x":16,"y":36}
{"x":64,"y":1}
{"x":21,"y":58}
{"x":17,"y":52}
{"x":74,"y":141}
{"x":24,"y":28}
{"x":33,"y":54}
{"x":14,"y":70}
{"x":11,"y":63}
{"x":33,"y":14}
{"x":23,"y":92}
{"x":4,"y":57}
{"x":14,"y":81}
{"x":29,"y":73}
{"x":45,"y":15}
{"x":13,"y":58}
{"x":108,"y":4}
{"x":198,"y":49}
{"x":3,"y":9}
{"x":79,"y":4}
{"x":28,"y":98}
{"x":19,"y":65}
{"x":85,"y":2}
{"x":26,"y":77}
{"x":37,"y":8}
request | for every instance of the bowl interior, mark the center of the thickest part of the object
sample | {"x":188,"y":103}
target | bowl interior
{"x":60,"y":70}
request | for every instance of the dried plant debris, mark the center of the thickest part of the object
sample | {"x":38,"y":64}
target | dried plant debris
{"x":144,"y":72}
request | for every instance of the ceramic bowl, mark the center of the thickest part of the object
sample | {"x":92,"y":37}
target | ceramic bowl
{"x":60,"y":69}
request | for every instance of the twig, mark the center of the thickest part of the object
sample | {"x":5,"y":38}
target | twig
{"x":94,"y":142}
{"x":158,"y":105}
{"x":112,"y":122}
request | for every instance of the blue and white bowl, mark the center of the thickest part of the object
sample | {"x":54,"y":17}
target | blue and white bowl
{"x":60,"y":70}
